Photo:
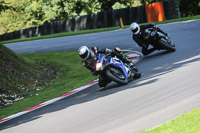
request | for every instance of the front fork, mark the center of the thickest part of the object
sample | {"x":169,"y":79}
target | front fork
{"x":129,"y":70}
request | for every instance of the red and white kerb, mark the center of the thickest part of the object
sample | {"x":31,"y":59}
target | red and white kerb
{"x":49,"y":101}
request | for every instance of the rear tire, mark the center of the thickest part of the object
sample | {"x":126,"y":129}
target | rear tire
{"x":116,"y":79}
{"x":167,"y":46}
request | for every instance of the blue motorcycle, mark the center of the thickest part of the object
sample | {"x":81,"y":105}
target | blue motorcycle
{"x":115,"y":69}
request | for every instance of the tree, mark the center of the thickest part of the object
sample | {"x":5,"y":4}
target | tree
{"x":145,"y":2}
{"x":4,"y":6}
{"x":21,"y":14}
{"x":189,"y":8}
{"x":108,"y":4}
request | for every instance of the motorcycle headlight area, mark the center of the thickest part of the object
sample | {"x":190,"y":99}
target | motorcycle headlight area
{"x":98,"y":66}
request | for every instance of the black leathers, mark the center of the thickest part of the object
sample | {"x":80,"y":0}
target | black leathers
{"x":140,"y":40}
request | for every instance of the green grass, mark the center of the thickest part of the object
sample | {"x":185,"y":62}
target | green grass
{"x":186,"y":123}
{"x":73,"y":75}
{"x":93,"y":30}
{"x":19,"y":77}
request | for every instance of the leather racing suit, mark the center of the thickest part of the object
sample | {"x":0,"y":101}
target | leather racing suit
{"x":138,"y":38}
{"x":90,"y":63}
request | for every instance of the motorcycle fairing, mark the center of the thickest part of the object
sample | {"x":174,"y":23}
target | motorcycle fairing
{"x":117,"y":63}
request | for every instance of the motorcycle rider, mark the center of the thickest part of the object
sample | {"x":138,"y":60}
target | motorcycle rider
{"x":138,"y":36}
{"x":89,"y":56}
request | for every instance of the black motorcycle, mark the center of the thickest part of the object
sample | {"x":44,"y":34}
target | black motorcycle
{"x":158,"y":39}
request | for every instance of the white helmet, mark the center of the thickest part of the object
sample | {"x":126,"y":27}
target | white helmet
{"x":135,"y":28}
{"x":84,"y":52}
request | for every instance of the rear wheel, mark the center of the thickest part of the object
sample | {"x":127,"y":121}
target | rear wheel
{"x":117,"y":77}
{"x":166,"y":45}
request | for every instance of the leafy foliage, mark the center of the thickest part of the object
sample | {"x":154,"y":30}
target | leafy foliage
{"x":189,"y":8}
{"x":145,"y":2}
{"x":4,"y":6}
{"x":21,"y":14}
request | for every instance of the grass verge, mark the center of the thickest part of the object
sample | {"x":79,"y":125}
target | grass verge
{"x":93,"y":30}
{"x":20,"y":77}
{"x":186,"y":123}
{"x":73,"y":75}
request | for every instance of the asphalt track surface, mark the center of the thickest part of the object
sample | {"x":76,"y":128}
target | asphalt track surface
{"x":169,"y":87}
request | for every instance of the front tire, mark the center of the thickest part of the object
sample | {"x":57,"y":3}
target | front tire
{"x":137,"y":73}
{"x":167,"y":46}
{"x":116,"y":79}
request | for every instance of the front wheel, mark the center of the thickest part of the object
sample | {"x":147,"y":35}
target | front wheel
{"x":166,"y":45}
{"x":137,"y":73}
{"x":115,"y":78}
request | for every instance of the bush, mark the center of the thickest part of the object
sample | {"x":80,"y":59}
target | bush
{"x":189,"y":7}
